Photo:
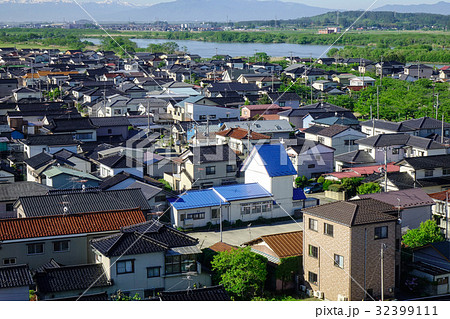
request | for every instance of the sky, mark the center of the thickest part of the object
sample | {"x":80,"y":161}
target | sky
{"x":329,"y":4}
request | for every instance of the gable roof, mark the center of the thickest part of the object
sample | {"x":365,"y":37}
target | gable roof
{"x":148,"y":237}
{"x":333,"y":130}
{"x":79,"y":201}
{"x":110,"y":121}
{"x":215,"y":293}
{"x":427,"y":162}
{"x":210,"y":153}
{"x":59,"y":225}
{"x":283,"y":244}
{"x":355,"y":157}
{"x":58,"y":170}
{"x":442,"y":196}
{"x":355,"y":212}
{"x":12,"y":191}
{"x":425,"y":123}
{"x":275,"y":160}
{"x":15,"y":276}
{"x":50,"y":140}
{"x":68,"y":278}
{"x":388,"y":125}
{"x":383,"y":140}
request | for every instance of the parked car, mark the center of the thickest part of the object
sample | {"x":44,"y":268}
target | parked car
{"x":313,"y":188}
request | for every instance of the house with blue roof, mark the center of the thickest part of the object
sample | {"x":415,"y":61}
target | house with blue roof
{"x":268,"y":192}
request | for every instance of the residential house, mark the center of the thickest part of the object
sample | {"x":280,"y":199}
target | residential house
{"x":275,"y":248}
{"x":340,"y":137}
{"x":389,"y":67}
{"x":276,"y":129}
{"x":57,"y":282}
{"x":285,"y":99}
{"x":240,"y":140}
{"x":112,"y":164}
{"x":298,"y":117}
{"x":224,"y":89}
{"x":82,"y":128}
{"x":67,"y":178}
{"x":441,"y":209}
{"x":427,"y":126}
{"x":24,"y":93}
{"x":414,"y":205}
{"x":432,"y":262}
{"x":35,"y":144}
{"x":205,"y":166}
{"x":323,"y":85}
{"x":16,"y":282}
{"x":111,"y":128}
{"x":418,"y":71}
{"x":376,"y":127}
{"x":310,"y":158}
{"x":342,"y":243}
{"x":10,"y":192}
{"x":65,"y":238}
{"x":251,"y":111}
{"x":159,"y":258}
{"x":7,"y":86}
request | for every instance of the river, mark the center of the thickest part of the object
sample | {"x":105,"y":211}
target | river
{"x":209,"y":49}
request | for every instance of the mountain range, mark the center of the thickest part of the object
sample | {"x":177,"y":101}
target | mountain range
{"x":441,"y":7}
{"x":175,"y":11}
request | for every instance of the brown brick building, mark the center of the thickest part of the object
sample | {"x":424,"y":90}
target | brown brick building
{"x":342,"y":249}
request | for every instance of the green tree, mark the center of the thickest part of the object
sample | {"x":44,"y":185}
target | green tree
{"x":369,"y":188}
{"x":264,"y":100}
{"x":428,"y":232}
{"x":301,"y":181}
{"x":351,"y":184}
{"x":241,"y":272}
{"x":120,"y":296}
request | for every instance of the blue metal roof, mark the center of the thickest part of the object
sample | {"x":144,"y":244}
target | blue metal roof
{"x":196,"y":199}
{"x":216,"y":196}
{"x":276,"y":160}
{"x":242,"y":191}
{"x":298,"y":194}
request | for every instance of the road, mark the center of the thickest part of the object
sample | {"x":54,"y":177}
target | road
{"x":239,"y":236}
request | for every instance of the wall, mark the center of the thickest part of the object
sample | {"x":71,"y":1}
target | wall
{"x":15,"y":294}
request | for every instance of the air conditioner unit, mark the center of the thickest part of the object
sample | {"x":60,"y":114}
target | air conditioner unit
{"x":342,"y":298}
{"x":320,"y":294}
{"x":303,"y":288}
{"x":316,"y":294}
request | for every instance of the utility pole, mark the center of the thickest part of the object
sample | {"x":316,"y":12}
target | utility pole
{"x":383,"y":246}
{"x":385,"y":169}
{"x":437,"y":105}
{"x":220,"y":220}
{"x":378,"y":103}
{"x":442,"y":130}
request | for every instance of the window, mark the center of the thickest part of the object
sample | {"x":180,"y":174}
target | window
{"x":395,"y":151}
{"x":35,"y":249}
{"x":125,"y":266}
{"x":117,"y":112}
{"x":196,"y":216}
{"x":202,"y":117}
{"x":313,"y":224}
{"x":109,"y":131}
{"x":321,"y":139}
{"x":328,"y":229}
{"x":153,"y":272}
{"x":231,"y":168}
{"x":312,"y":277}
{"x":349,"y":142}
{"x":246,"y":209}
{"x":313,"y":251}
{"x":61,"y":246}
{"x":9,"y":207}
{"x":381,"y":232}
{"x":445,"y":171}
{"x":215,"y":213}
{"x":311,"y":165}
{"x":442,"y":281}
{"x":428,"y":173}
{"x":9,"y":261}
{"x":84,"y":136}
{"x":180,"y":263}
{"x":339,"y":261}
{"x":210,"y":170}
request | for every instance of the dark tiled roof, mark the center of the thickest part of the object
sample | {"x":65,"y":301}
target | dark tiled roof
{"x":70,"y":125}
{"x":12,"y":191}
{"x":383,"y":140}
{"x":333,"y":130}
{"x":39,"y":160}
{"x":425,"y":123}
{"x":355,"y":212}
{"x":148,"y":237}
{"x":120,"y":177}
{"x":15,"y":276}
{"x":110,"y":121}
{"x":53,"y":139}
{"x":315,"y":129}
{"x":79,"y":201}
{"x":388,"y":125}
{"x":119,"y":161}
{"x":232,"y":86}
{"x":355,"y":157}
{"x":427,"y":162}
{"x":68,"y":278}
{"x":102,"y":296}
{"x":404,"y":198}
{"x":216,"y":293}
{"x":212,"y":153}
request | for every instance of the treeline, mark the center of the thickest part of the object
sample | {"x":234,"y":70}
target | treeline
{"x":371,"y":19}
{"x":413,"y":53}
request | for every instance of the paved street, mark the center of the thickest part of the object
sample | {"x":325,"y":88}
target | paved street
{"x":238,"y":236}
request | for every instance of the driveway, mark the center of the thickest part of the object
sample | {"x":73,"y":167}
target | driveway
{"x":239,"y":236}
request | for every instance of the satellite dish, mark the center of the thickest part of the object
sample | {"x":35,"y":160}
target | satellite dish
{"x":65,"y":210}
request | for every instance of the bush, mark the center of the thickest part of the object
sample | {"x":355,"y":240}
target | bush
{"x":321,"y":180}
{"x":301,"y":181}
{"x":239,"y":223}
{"x":226,"y":223}
{"x":336,"y":188}
{"x":369,"y":188}
{"x":327,"y":184}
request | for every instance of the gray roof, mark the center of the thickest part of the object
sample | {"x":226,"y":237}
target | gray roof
{"x":355,"y":157}
{"x":427,"y":162}
{"x":12,"y":191}
{"x":215,"y":293}
{"x":425,"y":123}
{"x":266,"y":126}
{"x":403,"y":198}
{"x":110,"y":121}
{"x":210,"y":154}
{"x":68,"y":278}
{"x":148,"y":237}
{"x":53,"y":139}
{"x":15,"y":276}
{"x":148,"y":190}
{"x":355,"y":212}
{"x":79,"y":201}
{"x":388,"y":125}
{"x":383,"y":140}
